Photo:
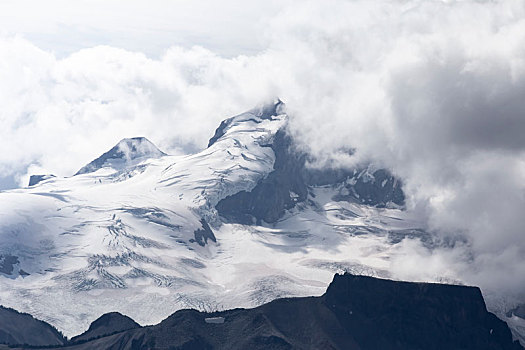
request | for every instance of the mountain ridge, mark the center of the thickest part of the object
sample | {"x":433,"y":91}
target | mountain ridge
{"x":149,"y":237}
{"x":126,"y":152}
{"x":355,"y":313}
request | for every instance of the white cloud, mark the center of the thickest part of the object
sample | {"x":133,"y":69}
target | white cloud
{"x":229,"y":27}
{"x":64,"y":112}
{"x":433,"y":90}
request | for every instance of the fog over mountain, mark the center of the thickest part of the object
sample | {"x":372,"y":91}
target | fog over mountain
{"x":430,"y":90}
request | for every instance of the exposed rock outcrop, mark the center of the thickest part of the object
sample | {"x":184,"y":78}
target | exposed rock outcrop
{"x":291,"y":178}
{"x":36,"y":179}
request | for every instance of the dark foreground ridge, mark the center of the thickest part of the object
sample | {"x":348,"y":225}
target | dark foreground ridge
{"x":107,"y":324}
{"x":20,"y":328}
{"x":356,"y":312}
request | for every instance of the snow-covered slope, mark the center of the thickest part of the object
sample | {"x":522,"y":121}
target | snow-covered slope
{"x":137,"y":231}
{"x":125,"y":154}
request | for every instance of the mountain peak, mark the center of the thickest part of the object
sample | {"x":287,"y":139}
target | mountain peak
{"x":136,"y":147}
{"x":126,"y":152}
{"x":265,"y":111}
{"x":269,"y":110}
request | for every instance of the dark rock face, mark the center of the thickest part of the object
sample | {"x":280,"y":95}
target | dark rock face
{"x":377,"y":188}
{"x":288,"y":185}
{"x":35,"y":179}
{"x":518,"y":311}
{"x":289,"y":182}
{"x":364,"y":185}
{"x":416,"y":315}
{"x":279,"y":191}
{"x":107,"y":324}
{"x":17,"y":329}
{"x":122,"y":153}
{"x":203,"y":234}
{"x":355,"y":313}
{"x":221,"y":130}
{"x":7,"y":263}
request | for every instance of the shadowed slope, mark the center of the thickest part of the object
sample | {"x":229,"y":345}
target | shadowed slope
{"x":19,"y":328}
{"x":356,"y":312}
{"x":107,"y":324}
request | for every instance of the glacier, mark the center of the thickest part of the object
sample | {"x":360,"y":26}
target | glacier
{"x":138,"y":232}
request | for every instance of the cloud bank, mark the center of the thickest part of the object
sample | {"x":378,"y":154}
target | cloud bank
{"x":430,"y":89}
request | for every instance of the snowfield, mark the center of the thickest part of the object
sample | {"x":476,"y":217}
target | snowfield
{"x":140,"y":235}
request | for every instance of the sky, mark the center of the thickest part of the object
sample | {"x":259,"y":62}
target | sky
{"x":228,"y":27}
{"x":432,"y":90}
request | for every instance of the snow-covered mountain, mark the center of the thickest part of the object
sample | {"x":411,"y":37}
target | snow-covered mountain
{"x":238,"y":224}
{"x":125,"y":154}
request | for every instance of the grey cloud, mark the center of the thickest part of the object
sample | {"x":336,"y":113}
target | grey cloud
{"x":433,"y":91}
